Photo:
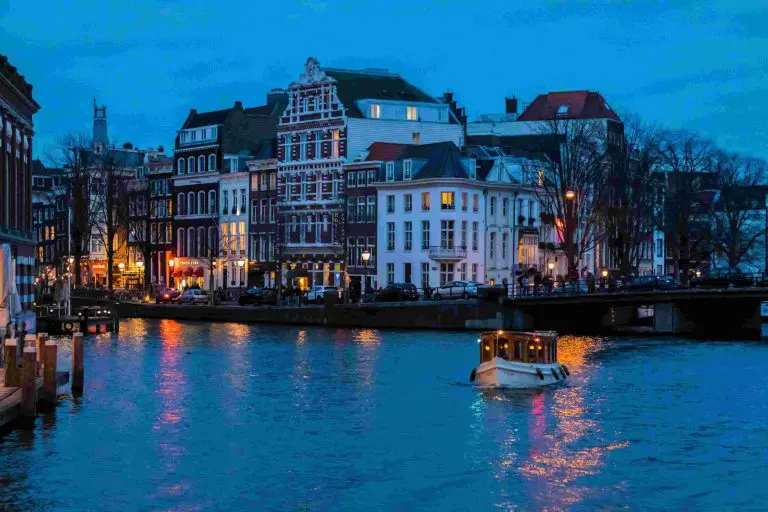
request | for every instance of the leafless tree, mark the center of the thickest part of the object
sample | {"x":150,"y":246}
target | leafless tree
{"x":571,"y":185}
{"x":738,"y":216}
{"x":142,"y":208}
{"x":112,"y":199}
{"x":630,"y":209}
{"x":73,"y":153}
{"x":684,"y":158}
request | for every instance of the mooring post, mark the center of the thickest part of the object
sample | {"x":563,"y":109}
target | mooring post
{"x":41,"y":339}
{"x":49,"y":371}
{"x":10,"y":364}
{"x":29,"y":382}
{"x":77,"y":362}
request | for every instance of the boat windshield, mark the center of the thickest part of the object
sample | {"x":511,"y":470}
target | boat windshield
{"x":524,"y":347}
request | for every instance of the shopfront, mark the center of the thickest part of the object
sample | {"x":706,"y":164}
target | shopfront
{"x":190,"y":272}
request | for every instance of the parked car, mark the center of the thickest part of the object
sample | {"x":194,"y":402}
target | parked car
{"x":648,"y":283}
{"x":193,"y":296}
{"x":723,"y":278}
{"x":317,"y":292}
{"x":457,"y":290}
{"x":168,"y":296}
{"x":258,"y":296}
{"x":397,"y":292}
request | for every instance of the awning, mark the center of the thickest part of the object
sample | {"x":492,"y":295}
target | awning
{"x":199,"y":272}
{"x":188,"y":272}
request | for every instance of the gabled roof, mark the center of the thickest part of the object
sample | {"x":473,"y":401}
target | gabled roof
{"x":197,"y":120}
{"x":355,"y":85}
{"x":438,"y":160}
{"x":568,"y":105}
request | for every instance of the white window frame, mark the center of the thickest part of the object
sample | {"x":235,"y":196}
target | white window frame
{"x":407,"y":166}
{"x":390,"y":171}
{"x":412,"y":113}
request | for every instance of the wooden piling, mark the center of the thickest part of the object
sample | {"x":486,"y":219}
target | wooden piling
{"x":77,"y":363}
{"x":49,"y":371}
{"x":10,"y":364}
{"x":41,"y":339}
{"x":28,"y":382}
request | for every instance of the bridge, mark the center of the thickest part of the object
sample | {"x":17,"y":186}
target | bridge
{"x":712,"y":312}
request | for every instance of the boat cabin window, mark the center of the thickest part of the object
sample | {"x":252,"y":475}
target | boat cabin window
{"x":522,"y":347}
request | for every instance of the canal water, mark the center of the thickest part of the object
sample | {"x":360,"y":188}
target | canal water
{"x":192,"y":416}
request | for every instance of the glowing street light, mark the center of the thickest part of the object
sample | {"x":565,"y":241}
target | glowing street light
{"x":570,"y":195}
{"x":366,"y":258}
{"x":121,"y":266}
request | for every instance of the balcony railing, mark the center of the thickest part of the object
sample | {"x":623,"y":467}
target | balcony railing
{"x":447,"y":252}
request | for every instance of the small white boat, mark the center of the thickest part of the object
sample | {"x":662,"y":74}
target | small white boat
{"x":515,"y":359}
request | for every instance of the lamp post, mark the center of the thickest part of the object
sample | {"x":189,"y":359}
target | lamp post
{"x":366,"y":256}
{"x":171,"y":263}
{"x":241,"y":264}
{"x":551,"y":267}
{"x":121,"y":266}
{"x":71,"y":261}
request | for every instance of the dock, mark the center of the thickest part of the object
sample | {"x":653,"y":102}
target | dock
{"x":10,"y":398}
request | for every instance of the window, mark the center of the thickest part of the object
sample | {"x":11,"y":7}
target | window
{"x":474,"y":272}
{"x":463,"y":271}
{"x":201,"y":202}
{"x":303,"y":146}
{"x":407,"y":272}
{"x":425,"y":201}
{"x":254,"y":211}
{"x":446,"y":234}
{"x":243,"y":201}
{"x":288,"y":148}
{"x":415,"y":138}
{"x":211,"y":202}
{"x":408,"y":235}
{"x":233,"y":164}
{"x":424,"y":274}
{"x":390,"y":204}
{"x":180,"y":204}
{"x":371,"y":210}
{"x":234,"y":201}
{"x":504,"y":243}
{"x":446,"y":273}
{"x":464,"y":201}
{"x":335,"y":141}
{"x":659,"y":248}
{"x":225,"y":202}
{"x":190,"y":203}
{"x":407,"y":169}
{"x":390,"y":171}
{"x":263,"y":209}
{"x":390,"y":236}
{"x":180,"y":166}
{"x":318,"y":151}
{"x":201,"y":163}
{"x":504,"y":207}
{"x":412,"y":113}
{"x":371,"y":176}
{"x":446,"y":201}
{"x":493,"y":206}
{"x":351,"y":180}
{"x":562,"y":110}
{"x":211,"y":162}
{"x":263,"y":182}
{"x":360,"y":178}
{"x":475,"y":203}
{"x":425,"y":235}
{"x":472,"y":168}
{"x":375,"y":111}
{"x":390,"y":273}
{"x":408,"y":202}
{"x":464,"y":234}
{"x":475,"y":231}
{"x":361,"y":209}
{"x":191,"y":165}
{"x":272,"y":210}
{"x":180,"y":242}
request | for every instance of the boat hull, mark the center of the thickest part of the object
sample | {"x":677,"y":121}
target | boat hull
{"x":500,"y":373}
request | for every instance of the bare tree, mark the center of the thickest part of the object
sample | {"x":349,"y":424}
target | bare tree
{"x":112,"y":199}
{"x":73,"y":152}
{"x":630,"y":209}
{"x":684,"y":157}
{"x":738,"y":222}
{"x":571,"y":185}
{"x":142,"y":208}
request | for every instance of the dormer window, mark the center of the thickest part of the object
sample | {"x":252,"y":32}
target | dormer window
{"x":407,"y":164}
{"x":472,"y":169}
{"x":375,"y":111}
{"x":390,"y":171}
{"x":562,"y":110}
{"x":412,"y":113}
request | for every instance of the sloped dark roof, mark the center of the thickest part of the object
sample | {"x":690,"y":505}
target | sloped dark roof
{"x":352,"y":86}
{"x":438,"y":160}
{"x":581,"y":105}
{"x":199,"y":119}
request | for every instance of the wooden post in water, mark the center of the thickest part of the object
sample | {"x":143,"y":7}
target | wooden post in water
{"x":10,"y":364}
{"x":29,"y":382}
{"x":41,"y":339}
{"x":49,"y":371}
{"x":77,"y":363}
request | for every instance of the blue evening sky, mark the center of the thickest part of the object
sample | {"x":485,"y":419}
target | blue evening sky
{"x":700,"y":65}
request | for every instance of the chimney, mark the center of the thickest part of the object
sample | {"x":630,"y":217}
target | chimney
{"x":511,"y":105}
{"x":193,"y":111}
{"x":447,"y":97}
{"x":239,"y":105}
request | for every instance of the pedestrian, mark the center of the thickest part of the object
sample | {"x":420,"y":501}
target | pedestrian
{"x":524,"y":285}
{"x":537,"y":283}
{"x":590,"y":282}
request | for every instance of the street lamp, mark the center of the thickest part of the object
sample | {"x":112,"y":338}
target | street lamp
{"x":121,"y":267}
{"x":171,"y":263}
{"x":551,"y":267}
{"x":366,"y":256}
{"x":570,"y":195}
{"x":140,"y":265}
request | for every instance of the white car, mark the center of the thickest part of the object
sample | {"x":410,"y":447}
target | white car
{"x":457,"y":290}
{"x":317,"y":292}
{"x":193,"y":296}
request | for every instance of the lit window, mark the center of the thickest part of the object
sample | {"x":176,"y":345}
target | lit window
{"x":376,"y":111}
{"x":412,"y":113}
{"x":446,"y":201}
{"x":425,"y":203}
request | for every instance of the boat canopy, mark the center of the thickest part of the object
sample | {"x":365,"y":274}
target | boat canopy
{"x":524,"y":347}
